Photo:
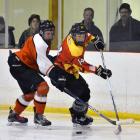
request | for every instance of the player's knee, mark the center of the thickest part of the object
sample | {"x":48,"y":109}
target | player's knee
{"x":85,"y":95}
{"x":43,"y":89}
{"x":29,"y":96}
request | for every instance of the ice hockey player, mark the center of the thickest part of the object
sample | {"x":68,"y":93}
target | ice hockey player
{"x":26,"y":65}
{"x":71,"y":59}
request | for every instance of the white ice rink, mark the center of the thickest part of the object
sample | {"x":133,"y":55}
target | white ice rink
{"x":62,"y":129}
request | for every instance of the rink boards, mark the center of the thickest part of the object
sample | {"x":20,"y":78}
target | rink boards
{"x":125,"y":85}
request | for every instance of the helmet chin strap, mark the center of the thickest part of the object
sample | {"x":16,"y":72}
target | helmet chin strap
{"x":79,"y":43}
{"x":48,"y":41}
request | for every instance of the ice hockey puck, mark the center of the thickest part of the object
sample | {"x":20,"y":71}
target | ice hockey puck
{"x":79,"y":132}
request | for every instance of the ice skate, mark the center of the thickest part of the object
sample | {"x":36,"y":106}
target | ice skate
{"x":14,"y":117}
{"x":40,"y":120}
{"x":80,"y":119}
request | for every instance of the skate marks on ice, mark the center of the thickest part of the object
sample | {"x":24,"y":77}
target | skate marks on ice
{"x":63,"y":129}
{"x":66,"y":132}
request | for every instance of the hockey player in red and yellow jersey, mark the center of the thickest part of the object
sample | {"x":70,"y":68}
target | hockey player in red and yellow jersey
{"x":71,"y":59}
{"x":26,"y":65}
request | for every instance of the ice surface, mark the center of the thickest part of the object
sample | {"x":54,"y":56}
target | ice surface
{"x":62,"y":129}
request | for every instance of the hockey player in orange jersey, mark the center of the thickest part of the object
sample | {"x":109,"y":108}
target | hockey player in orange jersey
{"x":71,"y":59}
{"x":25,"y":66}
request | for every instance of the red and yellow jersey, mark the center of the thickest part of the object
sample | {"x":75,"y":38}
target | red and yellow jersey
{"x":34,"y":54}
{"x":71,"y":57}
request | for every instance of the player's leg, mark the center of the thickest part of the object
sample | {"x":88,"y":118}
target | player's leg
{"x":21,"y":103}
{"x":32,"y":81}
{"x":29,"y":81}
{"x":17,"y":70}
{"x":40,"y":103}
{"x":37,"y":84}
{"x":23,"y":76}
{"x":79,"y":110}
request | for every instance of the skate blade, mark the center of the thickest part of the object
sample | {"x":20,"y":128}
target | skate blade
{"x":9,"y":123}
{"x":38,"y":126}
{"x":16,"y":124}
{"x":81,"y":126}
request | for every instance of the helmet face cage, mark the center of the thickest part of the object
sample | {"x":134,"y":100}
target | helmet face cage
{"x":78,"y":32}
{"x":46,"y":28}
{"x":48,"y":35}
{"x":79,"y":39}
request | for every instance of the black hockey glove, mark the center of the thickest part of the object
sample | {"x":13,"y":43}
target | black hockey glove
{"x":104,"y":73}
{"x":98,"y":43}
{"x":57,"y":76}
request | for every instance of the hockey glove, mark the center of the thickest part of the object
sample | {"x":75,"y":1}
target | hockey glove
{"x":104,"y":73}
{"x":57,"y":77}
{"x":98,"y":43}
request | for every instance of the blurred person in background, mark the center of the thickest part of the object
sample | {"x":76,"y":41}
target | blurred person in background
{"x":90,"y":25}
{"x":33,"y":22}
{"x":127,"y":28}
{"x":11,"y":37}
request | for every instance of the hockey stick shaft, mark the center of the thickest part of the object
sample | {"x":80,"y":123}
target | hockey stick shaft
{"x":128,"y":121}
{"x":110,"y":91}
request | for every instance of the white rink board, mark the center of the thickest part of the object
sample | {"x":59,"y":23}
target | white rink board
{"x":125,"y":83}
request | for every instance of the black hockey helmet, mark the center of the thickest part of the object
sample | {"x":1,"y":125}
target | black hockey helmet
{"x":79,"y":29}
{"x":46,"y":25}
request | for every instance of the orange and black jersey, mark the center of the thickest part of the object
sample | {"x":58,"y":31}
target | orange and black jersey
{"x":34,"y":54}
{"x":71,"y":56}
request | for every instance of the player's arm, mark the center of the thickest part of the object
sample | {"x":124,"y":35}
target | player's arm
{"x":85,"y":67}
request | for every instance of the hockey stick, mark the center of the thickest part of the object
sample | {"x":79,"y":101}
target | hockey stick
{"x":112,"y":97}
{"x":128,"y":121}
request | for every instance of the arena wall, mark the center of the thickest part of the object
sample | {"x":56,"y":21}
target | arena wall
{"x":125,"y":85}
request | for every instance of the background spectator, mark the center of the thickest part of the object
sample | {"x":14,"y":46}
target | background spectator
{"x":90,"y":25}
{"x":33,"y":22}
{"x":127,"y":28}
{"x":11,"y":38}
{"x":88,"y":22}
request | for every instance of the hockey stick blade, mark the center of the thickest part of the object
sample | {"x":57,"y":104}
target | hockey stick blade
{"x":125,"y":122}
{"x":118,"y":130}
